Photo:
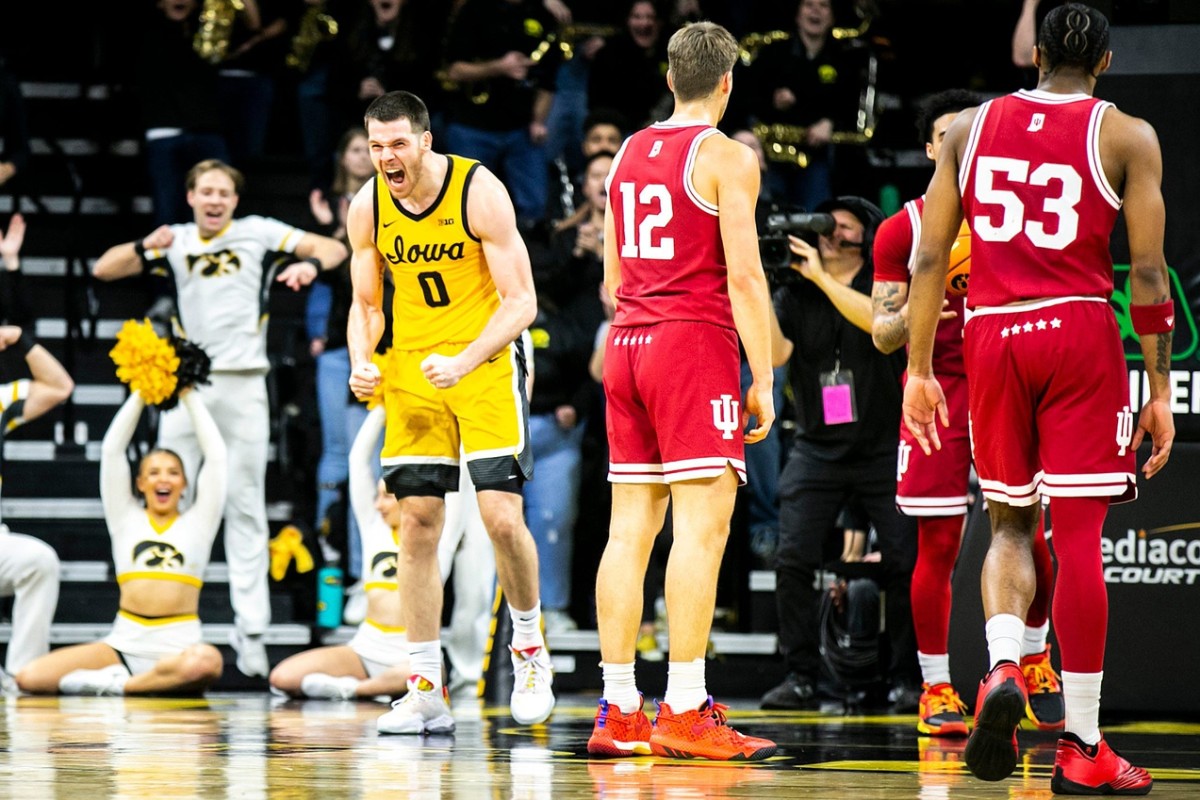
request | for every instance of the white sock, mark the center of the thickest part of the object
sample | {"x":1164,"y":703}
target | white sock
{"x":1004,"y":635}
{"x":935,"y":669}
{"x":118,"y":674}
{"x":620,"y":687}
{"x":115,"y":675}
{"x":527,"y":627}
{"x":118,"y":680}
{"x":1034,"y":640}
{"x":1081,"y":692}
{"x":685,"y":685}
{"x":425,"y":660}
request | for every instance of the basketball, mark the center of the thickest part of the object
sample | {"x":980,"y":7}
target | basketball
{"x":960,"y":263}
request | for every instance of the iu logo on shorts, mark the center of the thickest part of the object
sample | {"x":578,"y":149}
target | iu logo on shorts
{"x":1124,"y":429}
{"x":902,"y":456}
{"x":725,"y":415}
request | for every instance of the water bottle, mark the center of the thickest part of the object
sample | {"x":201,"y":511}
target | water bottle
{"x":329,"y":597}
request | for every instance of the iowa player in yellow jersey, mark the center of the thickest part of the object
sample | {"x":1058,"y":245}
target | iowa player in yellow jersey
{"x":444,"y":228}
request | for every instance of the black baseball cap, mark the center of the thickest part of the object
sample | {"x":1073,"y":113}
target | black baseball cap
{"x":869,"y":214}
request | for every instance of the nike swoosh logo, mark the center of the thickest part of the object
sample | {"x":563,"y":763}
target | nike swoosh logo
{"x":387,"y":224}
{"x":493,"y":359}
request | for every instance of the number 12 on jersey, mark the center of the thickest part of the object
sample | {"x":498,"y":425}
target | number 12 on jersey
{"x":638,"y":239}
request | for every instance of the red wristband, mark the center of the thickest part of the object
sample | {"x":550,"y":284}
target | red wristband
{"x":1157,"y":318}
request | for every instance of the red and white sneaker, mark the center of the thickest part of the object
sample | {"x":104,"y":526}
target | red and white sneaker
{"x":1045,"y":707}
{"x":616,"y":734}
{"x":1095,"y":769}
{"x":991,"y":752}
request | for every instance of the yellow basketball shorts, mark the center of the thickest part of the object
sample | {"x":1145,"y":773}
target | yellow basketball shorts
{"x":486,"y":414}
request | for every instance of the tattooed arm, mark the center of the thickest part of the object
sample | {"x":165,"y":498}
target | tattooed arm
{"x":889,"y":315}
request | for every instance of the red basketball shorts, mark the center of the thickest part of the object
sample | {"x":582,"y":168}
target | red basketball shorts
{"x":674,"y":402}
{"x":1049,"y":400}
{"x":936,"y":485}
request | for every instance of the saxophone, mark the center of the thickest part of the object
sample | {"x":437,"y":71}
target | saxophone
{"x":211,"y":41}
{"x":784,"y":143}
{"x":315,"y":27}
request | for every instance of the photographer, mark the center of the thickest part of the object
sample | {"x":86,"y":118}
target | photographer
{"x":847,"y":399}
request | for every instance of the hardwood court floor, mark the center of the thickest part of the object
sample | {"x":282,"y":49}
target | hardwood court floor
{"x":248,"y":745}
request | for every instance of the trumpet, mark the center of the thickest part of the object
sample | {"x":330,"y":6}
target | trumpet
{"x":315,"y":27}
{"x":211,"y":41}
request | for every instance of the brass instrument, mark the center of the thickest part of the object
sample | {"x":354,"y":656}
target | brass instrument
{"x":315,"y":27}
{"x":564,"y":41}
{"x":784,"y":143}
{"x":211,"y":41}
{"x":582,"y":30}
{"x":751,"y":43}
{"x":852,"y":33}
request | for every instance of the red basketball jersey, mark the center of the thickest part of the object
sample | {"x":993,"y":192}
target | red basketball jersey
{"x":895,"y":253}
{"x":1036,"y":198}
{"x":668,"y":236}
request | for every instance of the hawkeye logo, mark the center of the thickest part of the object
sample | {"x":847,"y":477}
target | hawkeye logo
{"x":157,"y":555}
{"x":214,"y":265}
{"x":1157,"y":556}
{"x":384,"y":565}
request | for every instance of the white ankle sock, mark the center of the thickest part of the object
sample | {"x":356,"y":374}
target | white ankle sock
{"x":685,"y":685}
{"x":1004,"y":635}
{"x":1081,"y":692}
{"x":114,"y":676}
{"x":119,"y":679}
{"x":527,"y":627}
{"x":935,"y":669}
{"x":425,"y":660}
{"x":620,"y":687}
{"x":1034,"y":640}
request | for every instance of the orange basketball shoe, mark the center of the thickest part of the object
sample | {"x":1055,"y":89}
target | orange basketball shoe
{"x":991,"y":752}
{"x":1045,"y":707}
{"x":616,"y":734}
{"x":941,"y":711}
{"x":703,"y":733}
{"x":1095,"y":769}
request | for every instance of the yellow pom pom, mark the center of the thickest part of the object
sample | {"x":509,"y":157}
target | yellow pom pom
{"x":380,"y":360}
{"x":145,"y":361}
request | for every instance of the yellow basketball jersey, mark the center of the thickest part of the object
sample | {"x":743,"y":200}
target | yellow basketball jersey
{"x":444,"y":291}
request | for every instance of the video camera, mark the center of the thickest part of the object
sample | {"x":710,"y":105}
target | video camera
{"x":778,"y":224}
